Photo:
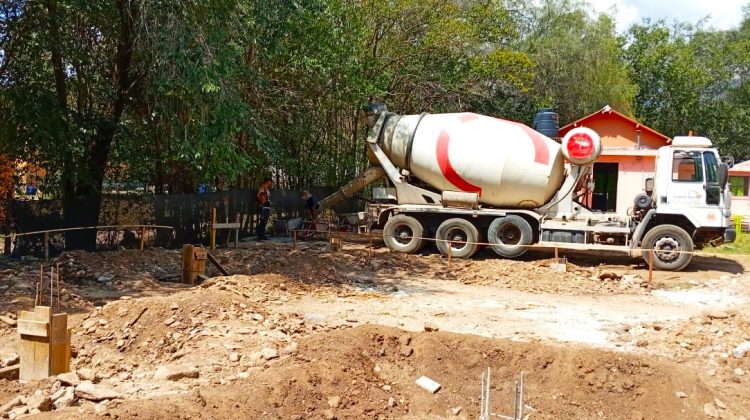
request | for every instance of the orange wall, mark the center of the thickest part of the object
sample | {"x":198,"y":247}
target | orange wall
{"x":631,"y":177}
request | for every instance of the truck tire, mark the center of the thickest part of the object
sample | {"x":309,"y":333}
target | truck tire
{"x":510,"y":236}
{"x":672,"y":247}
{"x":403,"y":233}
{"x":463,"y":236}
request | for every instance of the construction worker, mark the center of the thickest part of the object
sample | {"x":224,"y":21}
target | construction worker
{"x":312,"y":204}
{"x":263,"y":199}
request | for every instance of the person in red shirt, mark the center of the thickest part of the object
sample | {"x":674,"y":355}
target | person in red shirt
{"x":263,"y":199}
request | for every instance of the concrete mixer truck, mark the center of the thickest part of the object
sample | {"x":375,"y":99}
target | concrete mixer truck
{"x":463,"y":180}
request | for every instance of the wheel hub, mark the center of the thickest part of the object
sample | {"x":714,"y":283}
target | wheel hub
{"x":667,"y":248}
{"x":457,"y":237}
{"x":404,"y":235}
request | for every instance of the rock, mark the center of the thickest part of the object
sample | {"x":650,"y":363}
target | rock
{"x":169,"y":321}
{"x":234,"y":357}
{"x":10,"y":359}
{"x":58,"y":394}
{"x":681,"y":394}
{"x":430,"y":327}
{"x":386,"y":387}
{"x":40,"y":402}
{"x":67,"y":400}
{"x":328,"y":414}
{"x":176,"y":372}
{"x":104,"y":278}
{"x":18,"y":411}
{"x":718,"y":315}
{"x":8,"y":320}
{"x":642,"y":343}
{"x":391,"y":402}
{"x":739,"y":371}
{"x":407,"y":351}
{"x":456,"y":410}
{"x":334,"y":401}
{"x":88,"y":391}
{"x":86,"y":374}
{"x":741,"y":350}
{"x":719,"y":403}
{"x":710,"y":411}
{"x":269,"y":353}
{"x":404,"y":340}
{"x":69,"y":378}
{"x":428,"y":384}
{"x":10,"y":405}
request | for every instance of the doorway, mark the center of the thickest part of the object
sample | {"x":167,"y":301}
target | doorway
{"x":604,"y":197}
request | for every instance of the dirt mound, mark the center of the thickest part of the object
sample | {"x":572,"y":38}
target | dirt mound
{"x":370,"y":372}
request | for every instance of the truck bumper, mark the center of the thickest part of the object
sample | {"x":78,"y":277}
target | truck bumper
{"x":730,"y":235}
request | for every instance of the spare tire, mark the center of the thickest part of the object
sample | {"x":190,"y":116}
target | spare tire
{"x":510,"y":236}
{"x":403,"y":233}
{"x":460,"y":235}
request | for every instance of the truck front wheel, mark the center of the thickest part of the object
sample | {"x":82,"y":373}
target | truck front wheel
{"x":403,"y":233}
{"x":457,"y":236}
{"x":509,"y":236}
{"x":672,"y":247}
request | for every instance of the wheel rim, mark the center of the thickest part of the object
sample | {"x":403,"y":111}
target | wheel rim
{"x":458,"y":239}
{"x":667,"y":248}
{"x":403,"y":234}
{"x":509,"y":235}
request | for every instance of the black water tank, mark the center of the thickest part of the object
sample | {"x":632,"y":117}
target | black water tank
{"x":547,"y":122}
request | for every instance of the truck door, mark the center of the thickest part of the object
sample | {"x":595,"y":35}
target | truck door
{"x":687,"y":186}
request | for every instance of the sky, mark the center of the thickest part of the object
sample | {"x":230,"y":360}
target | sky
{"x":723,"y":14}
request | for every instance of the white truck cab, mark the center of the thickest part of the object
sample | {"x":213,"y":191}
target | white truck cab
{"x":689,"y":202}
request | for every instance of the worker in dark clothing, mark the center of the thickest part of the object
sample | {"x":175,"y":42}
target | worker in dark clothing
{"x":312,"y":204}
{"x":263,"y":199}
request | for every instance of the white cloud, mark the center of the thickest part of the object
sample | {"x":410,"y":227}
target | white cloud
{"x":722,"y":14}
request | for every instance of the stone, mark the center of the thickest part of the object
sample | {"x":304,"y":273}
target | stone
{"x":642,"y":343}
{"x":169,"y":321}
{"x":710,"y":411}
{"x":404,"y":340}
{"x":334,"y":401}
{"x":88,"y":391}
{"x":428,"y":384}
{"x":391,"y":402}
{"x":16,"y":401}
{"x":8,"y":320}
{"x":69,"y":378}
{"x":328,"y":414}
{"x":234,"y":357}
{"x":719,"y":403}
{"x":456,"y":410}
{"x":681,"y":394}
{"x":407,"y":351}
{"x":18,"y":411}
{"x":739,"y":371}
{"x":269,"y":353}
{"x":718,"y":315}
{"x":176,"y":372}
{"x":39,"y":402}
{"x":57,"y":394}
{"x":431,"y":327}
{"x":10,"y":359}
{"x":67,"y":400}
{"x":741,"y":350}
{"x":86,"y":374}
{"x":386,"y":387}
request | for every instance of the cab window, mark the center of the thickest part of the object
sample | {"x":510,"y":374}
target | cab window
{"x":687,"y":167}
{"x":712,"y":167}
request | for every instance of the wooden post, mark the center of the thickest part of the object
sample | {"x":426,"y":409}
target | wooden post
{"x":213,"y":228}
{"x":556,"y":257}
{"x":143,"y":238}
{"x":369,"y":249}
{"x":46,"y":245}
{"x":294,"y":239}
{"x":650,"y":266}
{"x":45,"y":343}
{"x":450,"y":253}
{"x":193,"y":263}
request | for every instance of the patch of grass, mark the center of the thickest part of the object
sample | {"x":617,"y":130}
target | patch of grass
{"x":740,"y":246}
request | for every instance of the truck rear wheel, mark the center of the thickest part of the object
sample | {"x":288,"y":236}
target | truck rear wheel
{"x":509,"y":236}
{"x":460,"y":235}
{"x":672,"y":247}
{"x":403,"y":233}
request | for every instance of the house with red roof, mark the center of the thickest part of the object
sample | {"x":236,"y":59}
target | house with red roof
{"x":739,"y":181}
{"x":628,"y":157}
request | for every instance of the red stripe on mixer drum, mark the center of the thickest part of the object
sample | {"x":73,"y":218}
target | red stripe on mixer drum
{"x":447,"y":169}
{"x":541,"y":153}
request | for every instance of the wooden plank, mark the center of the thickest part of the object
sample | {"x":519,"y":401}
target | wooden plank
{"x":218,"y":265}
{"x":227,"y":225}
{"x":33,"y":328}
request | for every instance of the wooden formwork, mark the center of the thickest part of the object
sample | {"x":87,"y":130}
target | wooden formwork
{"x":45,"y":343}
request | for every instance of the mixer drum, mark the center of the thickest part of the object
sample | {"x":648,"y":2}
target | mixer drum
{"x":507,"y":163}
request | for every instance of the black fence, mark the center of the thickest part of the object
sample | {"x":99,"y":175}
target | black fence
{"x":189,"y":214}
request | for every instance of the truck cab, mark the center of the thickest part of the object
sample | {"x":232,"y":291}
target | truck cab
{"x":689,"y":202}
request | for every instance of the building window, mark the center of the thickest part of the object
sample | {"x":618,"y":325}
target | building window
{"x":738,"y":185}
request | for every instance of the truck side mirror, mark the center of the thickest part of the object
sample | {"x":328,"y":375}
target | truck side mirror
{"x":649,"y":186}
{"x":723,"y":174}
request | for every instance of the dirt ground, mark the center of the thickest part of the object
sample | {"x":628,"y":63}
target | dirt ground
{"x":308,"y":333}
